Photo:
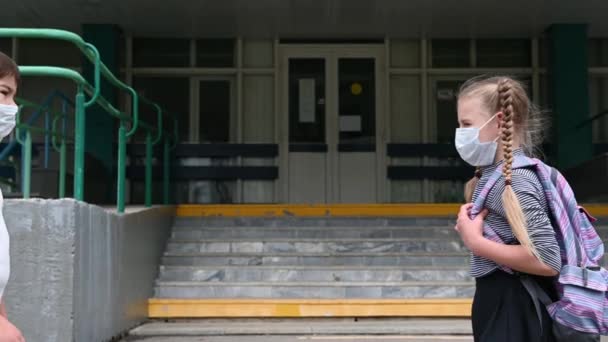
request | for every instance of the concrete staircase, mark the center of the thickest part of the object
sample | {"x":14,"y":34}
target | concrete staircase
{"x":298,"y":260}
{"x":335,"y":258}
{"x":288,"y":278}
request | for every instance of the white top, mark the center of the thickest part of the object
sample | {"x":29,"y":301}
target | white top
{"x":5,"y":258}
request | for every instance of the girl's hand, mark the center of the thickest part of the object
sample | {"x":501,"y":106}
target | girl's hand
{"x":471,"y":231}
{"x":8,"y":332}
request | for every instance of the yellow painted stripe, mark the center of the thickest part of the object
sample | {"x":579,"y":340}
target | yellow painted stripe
{"x":199,"y":308}
{"x":319,"y":210}
{"x":339,"y":210}
{"x":599,"y":210}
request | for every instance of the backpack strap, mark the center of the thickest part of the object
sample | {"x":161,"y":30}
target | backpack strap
{"x":539,"y":296}
{"x":577,"y":249}
{"x":561,"y":202}
{"x":554,"y":176}
{"x":479,"y":204}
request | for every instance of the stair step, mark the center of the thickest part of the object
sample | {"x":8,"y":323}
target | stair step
{"x":315,"y":233}
{"x":309,"y":221}
{"x":318,"y":246}
{"x":191,"y":240}
{"x":326,"y":326}
{"x":310,"y":274}
{"x":266,"y":233}
{"x":265,"y":338}
{"x":315,"y":290}
{"x":318,"y":259}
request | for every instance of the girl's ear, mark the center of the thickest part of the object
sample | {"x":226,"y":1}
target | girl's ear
{"x":499,"y":117}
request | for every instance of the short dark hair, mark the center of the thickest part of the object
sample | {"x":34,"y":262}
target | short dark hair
{"x":8,"y":67}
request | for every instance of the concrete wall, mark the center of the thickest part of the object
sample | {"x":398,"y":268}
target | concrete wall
{"x":80,"y":272}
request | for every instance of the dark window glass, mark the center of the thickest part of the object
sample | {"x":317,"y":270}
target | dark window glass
{"x":215,"y":53}
{"x":49,"y":52}
{"x":357,"y":100}
{"x":214,"y":108}
{"x":598,"y":52}
{"x":446,"y":109}
{"x":161,"y":52}
{"x":504,"y":53}
{"x":307,"y":100}
{"x":6,"y":46}
{"x":172,"y":94}
{"x":451,"y":53}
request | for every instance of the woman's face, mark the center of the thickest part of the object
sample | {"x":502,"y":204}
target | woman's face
{"x":472,"y":113}
{"x":8,"y":90}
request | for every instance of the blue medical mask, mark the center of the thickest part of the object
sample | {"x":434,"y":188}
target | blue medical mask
{"x":473,"y":151}
{"x":7,"y":119}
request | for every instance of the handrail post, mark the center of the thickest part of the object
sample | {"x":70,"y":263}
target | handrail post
{"x":148,"y":191}
{"x":122,"y":156}
{"x":79,"y":141}
{"x":47,"y":123}
{"x":166,"y":167}
{"x":27,"y":165}
{"x":26,"y":155}
{"x":63,"y":151}
{"x":62,"y":172}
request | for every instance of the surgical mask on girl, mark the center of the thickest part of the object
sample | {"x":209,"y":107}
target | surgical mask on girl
{"x":473,"y":151}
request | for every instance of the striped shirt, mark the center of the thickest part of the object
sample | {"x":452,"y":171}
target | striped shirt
{"x":529,"y":191}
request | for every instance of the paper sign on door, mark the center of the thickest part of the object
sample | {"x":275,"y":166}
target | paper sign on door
{"x":350,"y":123}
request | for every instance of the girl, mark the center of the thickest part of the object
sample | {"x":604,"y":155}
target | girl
{"x":498,"y":122}
{"x":9,"y":78}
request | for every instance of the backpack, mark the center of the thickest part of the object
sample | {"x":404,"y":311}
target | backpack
{"x":581,"y":312}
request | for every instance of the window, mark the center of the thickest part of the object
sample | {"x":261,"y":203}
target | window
{"x":598,"y":104}
{"x":49,"y":52}
{"x":357,"y":99}
{"x":405,"y":54}
{"x":258,"y":54}
{"x":307,"y":100}
{"x":406,"y":116}
{"x":446,"y":109}
{"x":161,"y":52}
{"x":214,"y":111}
{"x":215,"y":53}
{"x":543,"y":52}
{"x":172,"y":94}
{"x":450,"y":53}
{"x":504,"y":53}
{"x":598,"y":52}
{"x":6,"y":46}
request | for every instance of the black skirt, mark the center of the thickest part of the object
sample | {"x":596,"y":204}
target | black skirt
{"x":503,"y":311}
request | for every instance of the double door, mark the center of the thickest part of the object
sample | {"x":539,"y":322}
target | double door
{"x":332,"y":108}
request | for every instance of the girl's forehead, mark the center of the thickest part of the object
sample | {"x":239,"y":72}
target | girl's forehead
{"x":469,"y":107}
{"x":8,"y":81}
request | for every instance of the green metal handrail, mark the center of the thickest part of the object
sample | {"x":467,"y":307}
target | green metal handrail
{"x":100,"y":70}
{"x":26,"y":144}
{"x":62,"y":150}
